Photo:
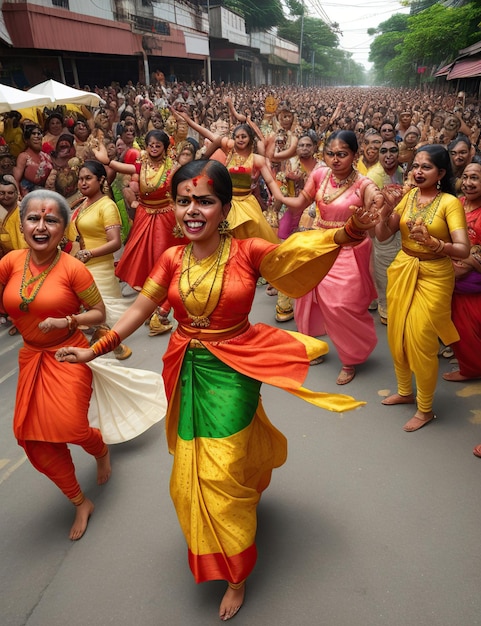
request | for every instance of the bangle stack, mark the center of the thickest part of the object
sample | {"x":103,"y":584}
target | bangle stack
{"x":106,"y":344}
{"x":72,"y":322}
{"x":440,"y":247}
{"x":352,"y":232}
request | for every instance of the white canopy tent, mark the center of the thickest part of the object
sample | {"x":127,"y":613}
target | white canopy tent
{"x":12,"y":99}
{"x":63,"y":94}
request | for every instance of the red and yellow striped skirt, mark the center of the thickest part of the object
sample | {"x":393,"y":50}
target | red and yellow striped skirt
{"x":225,"y":452}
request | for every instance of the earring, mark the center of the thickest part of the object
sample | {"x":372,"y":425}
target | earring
{"x":223,"y":227}
{"x":178,"y":232}
{"x":438,"y":185}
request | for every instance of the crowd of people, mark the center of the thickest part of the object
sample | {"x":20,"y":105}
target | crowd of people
{"x":174,"y":202}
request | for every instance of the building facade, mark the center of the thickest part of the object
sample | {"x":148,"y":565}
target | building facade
{"x":80,"y":43}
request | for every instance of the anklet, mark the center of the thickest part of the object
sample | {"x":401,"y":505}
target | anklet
{"x":236,"y":586}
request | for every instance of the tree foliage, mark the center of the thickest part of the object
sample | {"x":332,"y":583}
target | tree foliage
{"x":323,"y":62}
{"x":321,"y":55}
{"x":258,"y":15}
{"x":428,"y":38}
{"x":316,"y":35}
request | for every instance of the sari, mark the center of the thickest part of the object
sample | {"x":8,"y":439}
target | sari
{"x":466,"y":308}
{"x":91,"y":222}
{"x":11,"y":237}
{"x":245,"y":216}
{"x":338,"y":305}
{"x":224,"y":446}
{"x":44,"y":410}
{"x":419,"y":292}
{"x":153,"y":225}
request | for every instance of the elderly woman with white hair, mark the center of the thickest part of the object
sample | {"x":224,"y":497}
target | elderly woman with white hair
{"x":43,"y":289}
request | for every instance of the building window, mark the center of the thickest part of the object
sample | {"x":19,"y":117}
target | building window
{"x":61,"y":3}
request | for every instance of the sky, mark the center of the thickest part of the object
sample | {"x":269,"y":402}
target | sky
{"x":354,"y":19}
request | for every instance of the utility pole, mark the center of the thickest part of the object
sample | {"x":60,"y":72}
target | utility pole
{"x":300,"y":45}
{"x":208,"y":63}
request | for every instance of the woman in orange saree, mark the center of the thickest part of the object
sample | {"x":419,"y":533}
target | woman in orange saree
{"x":224,"y":446}
{"x":43,"y":289}
{"x":154,"y":221}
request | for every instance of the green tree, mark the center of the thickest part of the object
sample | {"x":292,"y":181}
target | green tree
{"x":258,"y":15}
{"x":316,"y":35}
{"x":383,"y":48}
{"x":433,"y":36}
{"x":323,"y":62}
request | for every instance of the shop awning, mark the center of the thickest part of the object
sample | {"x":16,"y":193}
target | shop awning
{"x":466,"y":68}
{"x":444,"y":71}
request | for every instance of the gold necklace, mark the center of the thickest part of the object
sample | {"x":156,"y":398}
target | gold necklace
{"x":195,"y":295}
{"x":153,"y":175}
{"x":426,"y":210}
{"x":27,"y":282}
{"x":327,"y":198}
{"x":237,"y":160}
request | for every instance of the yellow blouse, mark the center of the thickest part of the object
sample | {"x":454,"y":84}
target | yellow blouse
{"x":442,"y":216}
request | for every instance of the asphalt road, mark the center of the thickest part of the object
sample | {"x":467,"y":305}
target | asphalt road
{"x":365,"y":525}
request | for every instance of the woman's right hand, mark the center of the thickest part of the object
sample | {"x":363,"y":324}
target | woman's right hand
{"x":392,"y":195}
{"x":95,"y":143}
{"x":71,"y":354}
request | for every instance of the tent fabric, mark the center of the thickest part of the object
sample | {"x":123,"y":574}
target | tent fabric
{"x":63,"y":94}
{"x":12,"y":99}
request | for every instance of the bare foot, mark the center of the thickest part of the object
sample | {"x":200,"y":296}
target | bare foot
{"x":231,"y":602}
{"x":477,"y":451}
{"x":397,"y":399}
{"x":456,"y":377}
{"x":104,"y":468}
{"x":82,"y":513}
{"x":346,"y":374}
{"x":418,"y":420}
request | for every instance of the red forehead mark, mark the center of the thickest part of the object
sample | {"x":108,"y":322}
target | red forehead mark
{"x":196,"y":180}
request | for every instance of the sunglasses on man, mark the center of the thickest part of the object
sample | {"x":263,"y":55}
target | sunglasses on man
{"x":392,"y":150}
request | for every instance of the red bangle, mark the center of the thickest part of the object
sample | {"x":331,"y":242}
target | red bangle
{"x":107,"y":343}
{"x":354,"y":233}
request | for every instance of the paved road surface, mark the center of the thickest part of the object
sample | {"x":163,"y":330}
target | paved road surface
{"x":365,"y":525}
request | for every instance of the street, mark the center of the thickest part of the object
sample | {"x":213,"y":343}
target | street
{"x":365,"y":525}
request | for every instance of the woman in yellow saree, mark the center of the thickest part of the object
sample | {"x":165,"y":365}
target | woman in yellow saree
{"x":224,"y":446}
{"x":421,"y":278}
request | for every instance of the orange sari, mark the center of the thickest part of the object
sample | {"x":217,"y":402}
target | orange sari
{"x":52,"y":399}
